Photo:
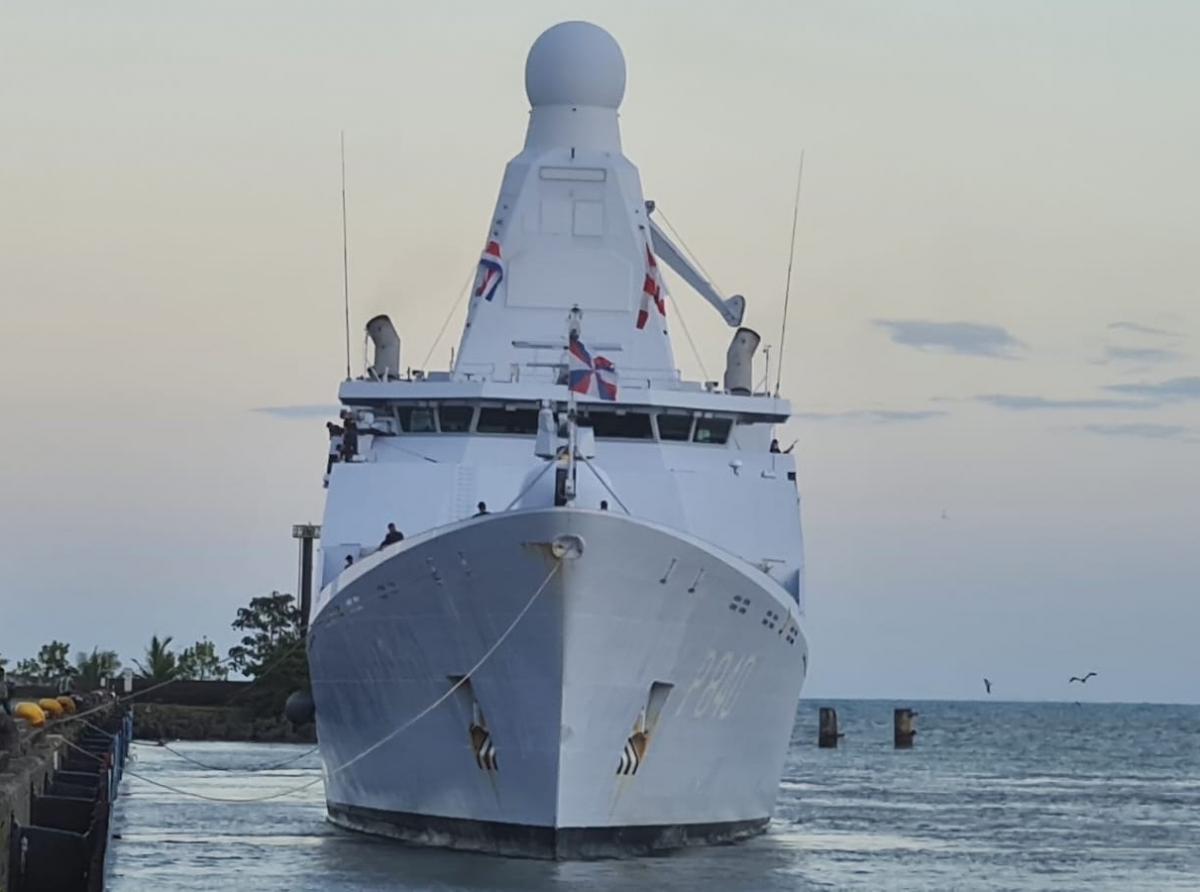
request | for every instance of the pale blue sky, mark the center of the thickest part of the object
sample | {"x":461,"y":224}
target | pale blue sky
{"x":996,"y":306}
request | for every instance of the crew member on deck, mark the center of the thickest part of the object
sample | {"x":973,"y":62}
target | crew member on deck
{"x":335,"y":443}
{"x":349,"y":561}
{"x":349,"y":436}
{"x":482,"y":506}
{"x":603,"y":505}
{"x":393,"y":536}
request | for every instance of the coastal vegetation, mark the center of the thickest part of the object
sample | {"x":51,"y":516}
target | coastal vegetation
{"x":271,"y":653}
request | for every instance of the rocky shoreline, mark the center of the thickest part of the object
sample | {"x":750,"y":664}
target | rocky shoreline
{"x":167,"y":722}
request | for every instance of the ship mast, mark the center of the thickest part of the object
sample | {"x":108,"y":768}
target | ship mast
{"x":574,"y":326}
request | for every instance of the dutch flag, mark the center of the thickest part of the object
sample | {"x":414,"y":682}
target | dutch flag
{"x":491,"y":271}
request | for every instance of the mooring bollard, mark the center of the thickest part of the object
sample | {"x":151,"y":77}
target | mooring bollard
{"x":902,"y":728}
{"x":827,"y":733}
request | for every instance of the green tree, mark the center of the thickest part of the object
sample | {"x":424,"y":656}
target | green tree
{"x":161,"y":663}
{"x":200,"y":662}
{"x":90,"y":668}
{"x":272,"y":650}
{"x":273,"y":624}
{"x":28,"y":668}
{"x":55,"y":660}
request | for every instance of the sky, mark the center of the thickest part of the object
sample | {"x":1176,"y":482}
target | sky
{"x":993,"y":345}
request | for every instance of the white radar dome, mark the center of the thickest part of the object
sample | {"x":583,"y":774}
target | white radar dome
{"x":575,"y":63}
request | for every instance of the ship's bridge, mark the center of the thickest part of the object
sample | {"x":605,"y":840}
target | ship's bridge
{"x":430,"y":450}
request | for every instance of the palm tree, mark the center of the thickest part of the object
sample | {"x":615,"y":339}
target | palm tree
{"x":94,"y":666}
{"x":161,"y":664}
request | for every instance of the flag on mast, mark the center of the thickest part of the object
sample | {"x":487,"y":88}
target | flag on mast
{"x":588,"y":375}
{"x":491,"y":271}
{"x":652,"y":290}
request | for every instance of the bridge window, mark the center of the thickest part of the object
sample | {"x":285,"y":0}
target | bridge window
{"x":674,"y":427}
{"x":621,"y":426}
{"x":416,"y":419}
{"x":712,"y":430}
{"x":456,"y":419}
{"x":501,"y":420}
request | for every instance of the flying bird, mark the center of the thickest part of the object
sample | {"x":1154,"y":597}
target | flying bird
{"x":1081,"y":680}
{"x":987,"y":684}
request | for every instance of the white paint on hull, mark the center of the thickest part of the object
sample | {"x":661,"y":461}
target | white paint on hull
{"x":562,"y":695}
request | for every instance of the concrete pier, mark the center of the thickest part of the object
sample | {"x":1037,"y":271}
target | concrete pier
{"x":55,"y":791}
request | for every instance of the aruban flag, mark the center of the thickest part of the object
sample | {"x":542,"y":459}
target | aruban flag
{"x":652,"y":291}
{"x":590,"y":376}
{"x":491,"y":272}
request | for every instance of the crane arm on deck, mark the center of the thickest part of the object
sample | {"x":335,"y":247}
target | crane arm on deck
{"x":732,"y":309}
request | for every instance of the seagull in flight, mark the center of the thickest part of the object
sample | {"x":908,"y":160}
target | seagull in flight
{"x":987,"y":684}
{"x":1080,"y":680}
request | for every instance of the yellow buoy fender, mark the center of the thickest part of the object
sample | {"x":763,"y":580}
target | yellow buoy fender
{"x":31,"y":713}
{"x":50,"y":706}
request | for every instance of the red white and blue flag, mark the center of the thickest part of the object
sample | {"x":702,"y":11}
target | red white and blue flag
{"x":591,"y":376}
{"x":652,"y":291}
{"x":491,"y":271}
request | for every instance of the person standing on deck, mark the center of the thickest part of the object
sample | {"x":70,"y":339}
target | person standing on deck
{"x":392,"y":537}
{"x":335,"y":444}
{"x":349,"y":436}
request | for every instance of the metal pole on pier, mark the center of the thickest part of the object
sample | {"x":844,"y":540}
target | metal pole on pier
{"x":307,"y":533}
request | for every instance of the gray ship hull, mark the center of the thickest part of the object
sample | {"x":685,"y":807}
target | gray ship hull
{"x":643,"y":701}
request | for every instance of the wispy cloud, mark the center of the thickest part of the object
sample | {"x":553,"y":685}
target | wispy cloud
{"x":1144,"y":329}
{"x":1026,"y":403}
{"x":962,"y":338}
{"x":311,"y":410}
{"x":1173,"y":390}
{"x":1140,"y":354}
{"x":1144,"y":431}
{"x":874,"y":416}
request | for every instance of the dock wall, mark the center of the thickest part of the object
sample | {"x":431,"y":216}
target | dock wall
{"x":38,"y":753}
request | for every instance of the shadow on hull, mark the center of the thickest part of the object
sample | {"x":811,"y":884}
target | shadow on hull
{"x":545,"y":843}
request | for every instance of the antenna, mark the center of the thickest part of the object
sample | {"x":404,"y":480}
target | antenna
{"x":787,"y":291}
{"x":345,"y":259}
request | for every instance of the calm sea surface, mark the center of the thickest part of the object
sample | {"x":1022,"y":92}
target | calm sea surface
{"x":993,"y":796}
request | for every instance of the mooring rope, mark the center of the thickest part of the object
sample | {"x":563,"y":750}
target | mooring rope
{"x":373,"y":747}
{"x":270,"y":766}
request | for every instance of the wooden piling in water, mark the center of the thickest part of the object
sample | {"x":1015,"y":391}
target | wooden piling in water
{"x":902,"y":728}
{"x":827,"y":733}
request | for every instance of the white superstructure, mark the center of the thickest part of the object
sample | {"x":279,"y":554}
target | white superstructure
{"x":614,"y":648}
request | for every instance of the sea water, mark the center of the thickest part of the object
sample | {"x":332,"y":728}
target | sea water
{"x":992,"y":796}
